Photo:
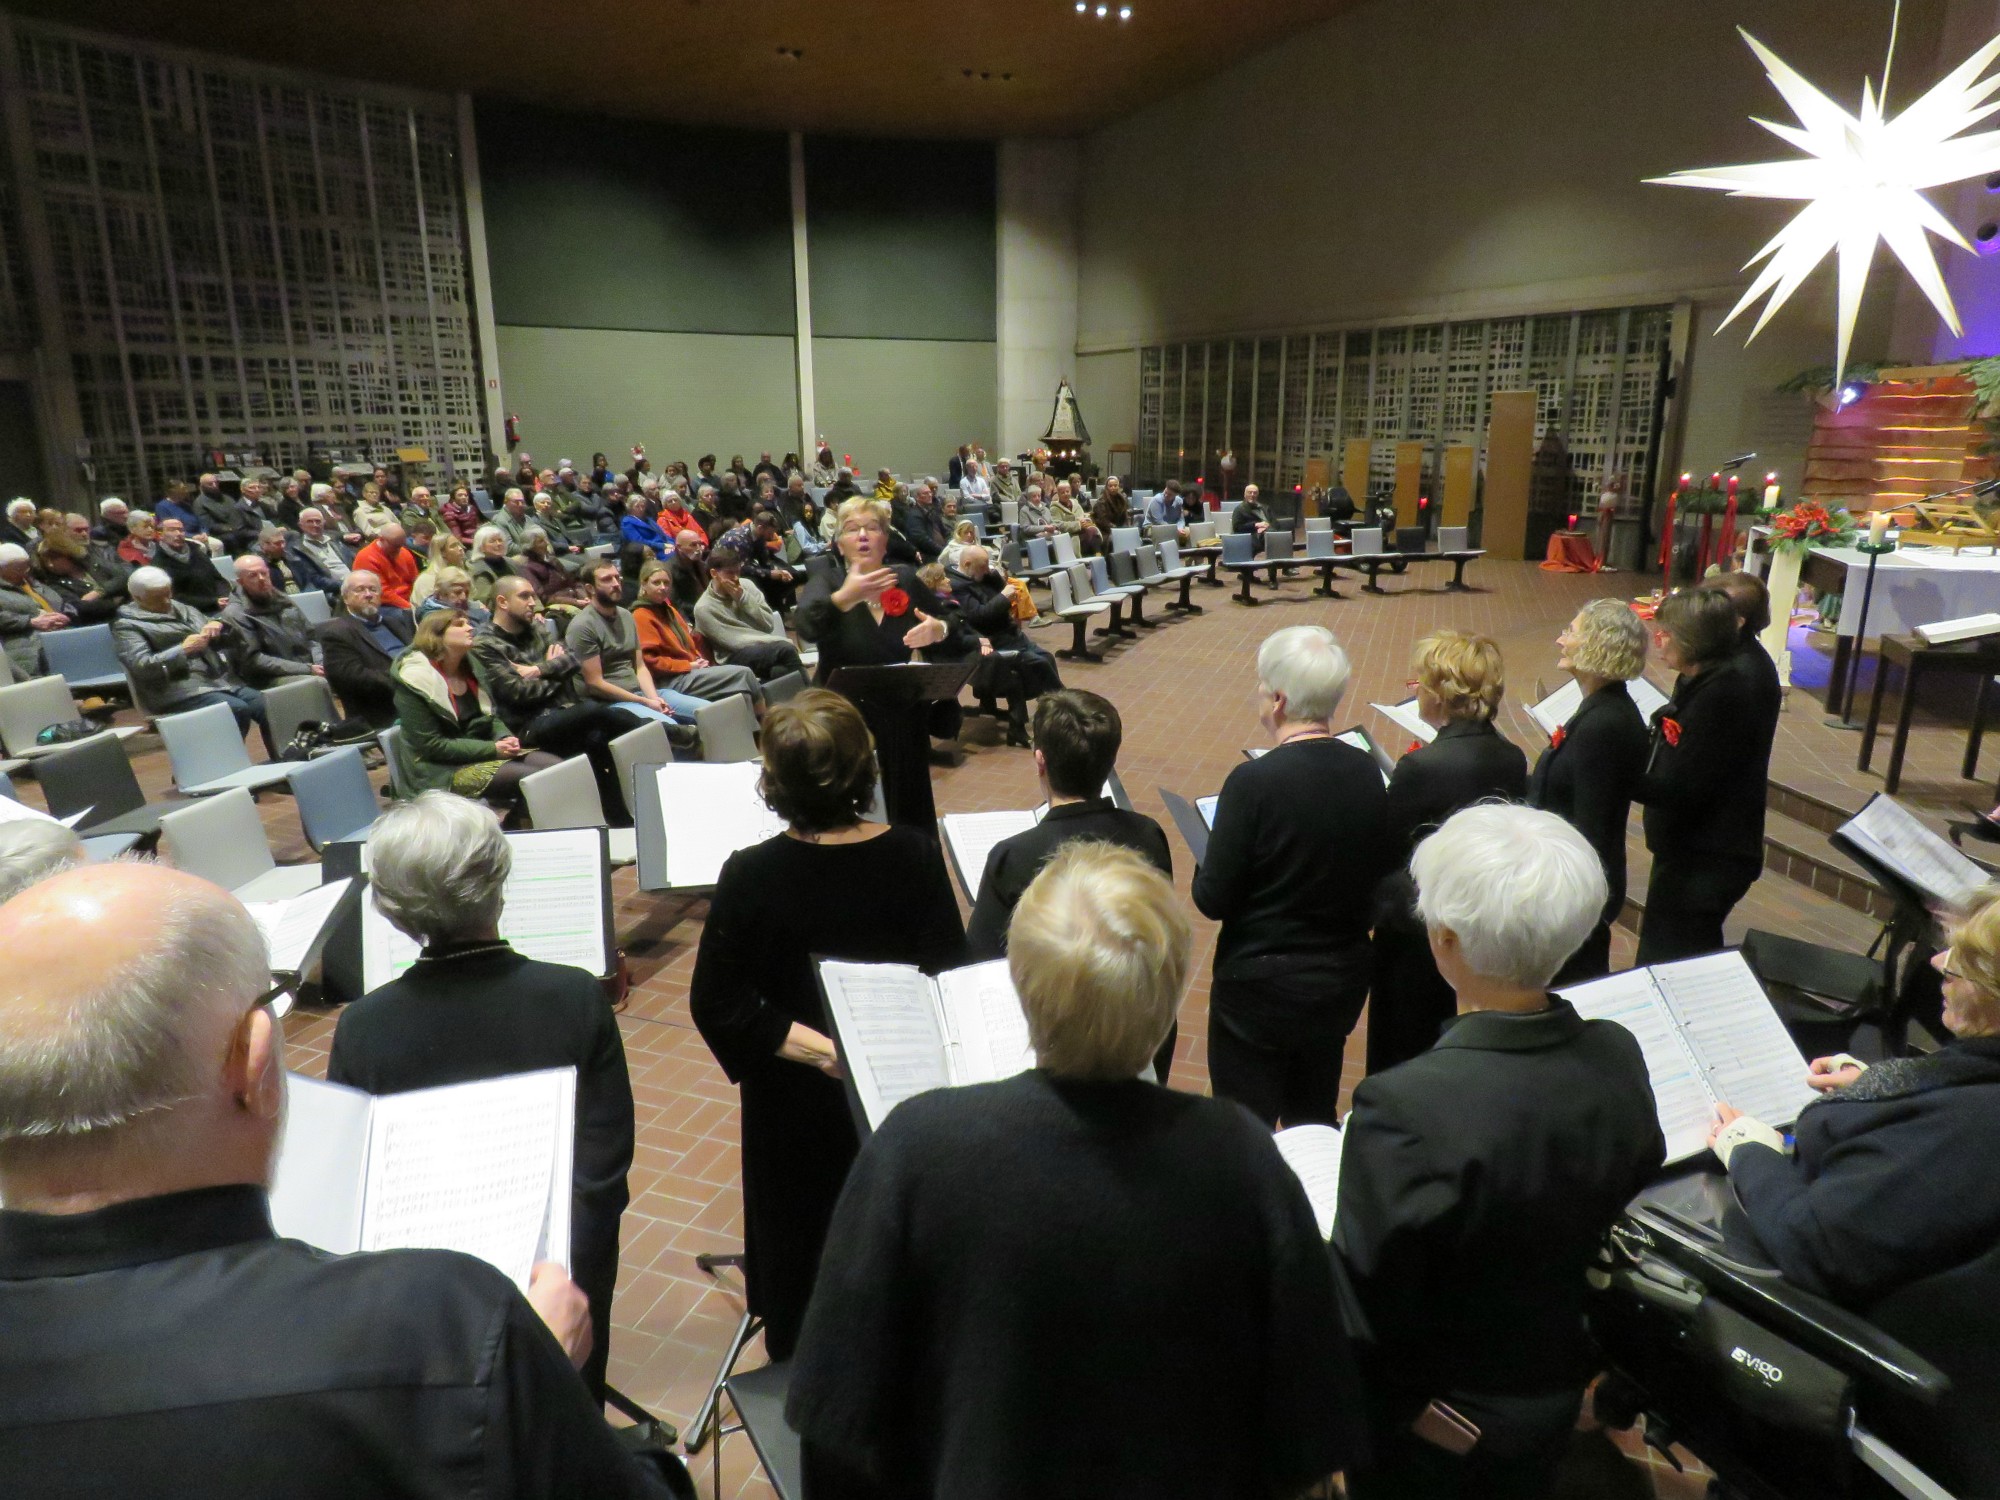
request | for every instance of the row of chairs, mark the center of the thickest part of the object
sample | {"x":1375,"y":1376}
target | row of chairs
{"x":1084,"y":589}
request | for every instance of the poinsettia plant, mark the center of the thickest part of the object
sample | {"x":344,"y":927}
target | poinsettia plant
{"x":1811,"y":524}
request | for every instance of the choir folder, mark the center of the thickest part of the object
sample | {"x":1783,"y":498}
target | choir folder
{"x":480,"y":1167}
{"x":295,"y":930}
{"x":900,"y":1032}
{"x":1905,"y":855}
{"x":970,"y":837}
{"x":1709,"y":1036}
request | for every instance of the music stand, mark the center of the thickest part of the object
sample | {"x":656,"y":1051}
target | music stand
{"x":904,"y":684}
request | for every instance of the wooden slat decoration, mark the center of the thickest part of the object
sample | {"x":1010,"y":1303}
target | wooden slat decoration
{"x":1912,"y":433}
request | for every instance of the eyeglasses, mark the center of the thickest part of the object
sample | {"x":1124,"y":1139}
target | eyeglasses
{"x":278,"y":999}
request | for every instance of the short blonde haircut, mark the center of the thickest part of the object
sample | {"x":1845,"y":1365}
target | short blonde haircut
{"x":1098,"y":950}
{"x":447,"y":577}
{"x":861,"y":507}
{"x":1975,"y":953}
{"x":965,"y":531}
{"x":1463,"y":672}
{"x":1611,"y":642}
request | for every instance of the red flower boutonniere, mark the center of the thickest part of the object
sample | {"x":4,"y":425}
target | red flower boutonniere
{"x":1556,"y":739}
{"x":1413,"y":747}
{"x":895,"y":602}
{"x":1671,"y":728}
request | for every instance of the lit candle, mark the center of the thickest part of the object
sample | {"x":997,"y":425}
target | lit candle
{"x":1878,"y":527}
{"x":1770,"y":492}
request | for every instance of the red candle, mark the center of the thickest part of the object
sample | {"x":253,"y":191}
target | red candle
{"x":1572,"y":521}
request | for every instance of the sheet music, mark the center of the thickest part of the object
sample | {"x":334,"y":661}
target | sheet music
{"x":19,"y":812}
{"x":1681,"y":1094}
{"x":1313,"y":1154}
{"x":1560,"y":706}
{"x":553,"y":908}
{"x":1404,"y":716}
{"x":987,"y":1020}
{"x":1359,"y":739}
{"x":317,"y":1184}
{"x":972,"y":836}
{"x":1893,"y":836}
{"x":472,"y":1167}
{"x":1749,"y":1058}
{"x":291,"y":927}
{"x":711,"y":811}
{"x":1206,"y":807}
{"x":892,"y":1041}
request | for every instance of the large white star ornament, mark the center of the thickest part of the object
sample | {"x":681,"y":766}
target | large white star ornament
{"x":1861,"y":180}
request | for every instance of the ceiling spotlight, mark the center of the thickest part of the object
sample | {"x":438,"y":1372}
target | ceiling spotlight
{"x":1124,"y":12}
{"x":1081,"y":7}
{"x":1103,"y":11}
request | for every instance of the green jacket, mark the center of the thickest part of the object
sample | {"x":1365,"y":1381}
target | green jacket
{"x":436,"y":742}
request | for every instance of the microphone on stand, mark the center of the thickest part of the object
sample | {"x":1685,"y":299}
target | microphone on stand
{"x":1738,"y":462}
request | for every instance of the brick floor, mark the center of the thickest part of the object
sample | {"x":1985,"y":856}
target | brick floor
{"x":1186,"y":692}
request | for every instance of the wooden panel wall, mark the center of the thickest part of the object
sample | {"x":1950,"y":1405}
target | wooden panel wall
{"x":1354,"y":470}
{"x":1912,"y":433}
{"x":1510,"y":458}
{"x":1409,"y":481}
{"x":1461,"y":484}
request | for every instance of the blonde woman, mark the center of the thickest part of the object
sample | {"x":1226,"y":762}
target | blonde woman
{"x":446,"y":551}
{"x":876,"y":614}
{"x":964,"y":534}
{"x":1594,"y":763}
{"x":370,"y":513}
{"x":1461,"y":680}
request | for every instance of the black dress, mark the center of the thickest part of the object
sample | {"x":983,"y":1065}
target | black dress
{"x":465,"y":1012}
{"x":1706,"y":779}
{"x":886,"y":900}
{"x":1050,"y":1288}
{"x":1301,"y":838}
{"x":855,"y":638}
{"x":1587,"y":777}
{"x":1468,"y":762}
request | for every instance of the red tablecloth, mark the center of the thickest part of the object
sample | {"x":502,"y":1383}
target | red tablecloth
{"x":1571,"y":552}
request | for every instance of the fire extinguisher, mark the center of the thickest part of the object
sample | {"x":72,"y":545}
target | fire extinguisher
{"x":513,"y":430}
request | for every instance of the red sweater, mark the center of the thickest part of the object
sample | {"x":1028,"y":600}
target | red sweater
{"x":397,"y":575}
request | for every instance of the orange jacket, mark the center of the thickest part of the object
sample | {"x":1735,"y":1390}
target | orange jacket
{"x":666,"y":640}
{"x":396,"y":575}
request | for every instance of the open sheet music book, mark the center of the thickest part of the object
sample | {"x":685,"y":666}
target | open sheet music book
{"x":692,"y":816}
{"x":1710,"y":1037}
{"x":1404,"y":716}
{"x":1560,"y":706}
{"x":12,"y":811}
{"x":555,"y":907}
{"x":1193,"y":819}
{"x":902,"y":1032}
{"x":295,"y":930}
{"x":1313,"y":1154}
{"x":1887,"y":835}
{"x":970,"y":837}
{"x":479,"y":1167}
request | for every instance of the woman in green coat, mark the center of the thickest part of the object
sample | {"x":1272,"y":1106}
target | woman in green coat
{"x":451,"y":740}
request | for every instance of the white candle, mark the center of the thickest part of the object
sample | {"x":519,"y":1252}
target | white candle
{"x":1771,"y":495}
{"x":1878,"y":527}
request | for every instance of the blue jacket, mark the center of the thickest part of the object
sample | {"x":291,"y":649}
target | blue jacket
{"x":646,"y":534}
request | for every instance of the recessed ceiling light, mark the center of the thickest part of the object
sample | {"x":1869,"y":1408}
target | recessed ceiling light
{"x":1103,"y":11}
{"x":1081,"y":7}
{"x":1124,"y":12}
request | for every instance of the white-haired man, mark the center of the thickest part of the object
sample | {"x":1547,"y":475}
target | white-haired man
{"x":19,"y":526}
{"x":1478,"y":1178}
{"x":26,"y":611}
{"x":319,"y":557}
{"x":177,"y":659}
{"x":357,"y":647}
{"x":160,"y":1338}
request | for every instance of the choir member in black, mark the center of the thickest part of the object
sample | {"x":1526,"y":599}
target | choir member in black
{"x":1077,"y":735}
{"x":1477,"y":1181}
{"x":1460,"y":681}
{"x":1298,"y":832}
{"x":757,"y":1002}
{"x":1752,"y":602}
{"x":470,"y":1007}
{"x":1594,"y":761}
{"x":1072,"y":1282}
{"x":1706,"y":775}
{"x":878,"y":614}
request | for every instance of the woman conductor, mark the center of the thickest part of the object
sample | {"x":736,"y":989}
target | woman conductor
{"x":878,"y":614}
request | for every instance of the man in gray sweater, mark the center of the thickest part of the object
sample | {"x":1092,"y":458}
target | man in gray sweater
{"x":741,"y":627}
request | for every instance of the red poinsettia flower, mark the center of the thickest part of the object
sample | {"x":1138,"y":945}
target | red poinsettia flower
{"x":895,"y":602}
{"x":1556,"y":739}
{"x":1413,"y":747}
{"x":1671,"y":728}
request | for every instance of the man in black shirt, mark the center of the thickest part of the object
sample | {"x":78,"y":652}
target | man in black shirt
{"x":161,"y":1340}
{"x":1077,"y":735}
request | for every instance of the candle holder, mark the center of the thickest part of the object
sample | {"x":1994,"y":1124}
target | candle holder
{"x":1874,"y":552}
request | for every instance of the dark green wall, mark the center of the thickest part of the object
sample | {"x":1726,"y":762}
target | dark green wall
{"x":593,"y":222}
{"x":902,"y":239}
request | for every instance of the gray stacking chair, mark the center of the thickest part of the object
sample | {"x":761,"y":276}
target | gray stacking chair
{"x":221,"y":838}
{"x":644,"y":746}
{"x":84,"y":657}
{"x":27,"y":708}
{"x":209,"y":756}
{"x":336,"y":800}
{"x":565,"y":796}
{"x":728,"y":729}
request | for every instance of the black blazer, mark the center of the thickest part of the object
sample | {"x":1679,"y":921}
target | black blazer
{"x":1706,"y":778}
{"x":358,"y":669}
{"x":1301,"y":837}
{"x":1588,"y":774}
{"x":1467,"y":763}
{"x":1014,"y":862}
{"x":853,"y":637}
{"x":1476,"y":1182}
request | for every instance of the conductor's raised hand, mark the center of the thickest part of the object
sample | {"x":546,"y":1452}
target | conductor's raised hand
{"x":926,"y":632}
{"x":863,"y":587}
{"x":560,"y":1303}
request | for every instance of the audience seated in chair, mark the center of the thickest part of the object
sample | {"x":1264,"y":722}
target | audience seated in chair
{"x":26,"y":610}
{"x":274,"y":639}
{"x":677,"y":659}
{"x":190,"y":569}
{"x":358,"y":647}
{"x":393,"y":562}
{"x":178,"y":660}
{"x":451,"y":739}
{"x":605,"y":641}
{"x":318,"y":557}
{"x":142,"y":1096}
{"x":471,"y":1007}
{"x":737,"y":621}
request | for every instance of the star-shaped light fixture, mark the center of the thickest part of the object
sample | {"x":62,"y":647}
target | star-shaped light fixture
{"x":1861,"y":180}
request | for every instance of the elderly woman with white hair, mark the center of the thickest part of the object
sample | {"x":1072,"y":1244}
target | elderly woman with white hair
{"x":1595,"y":762}
{"x":470,"y":1007}
{"x":1301,"y":839}
{"x":1074,"y":1281}
{"x":1477,"y":1179}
